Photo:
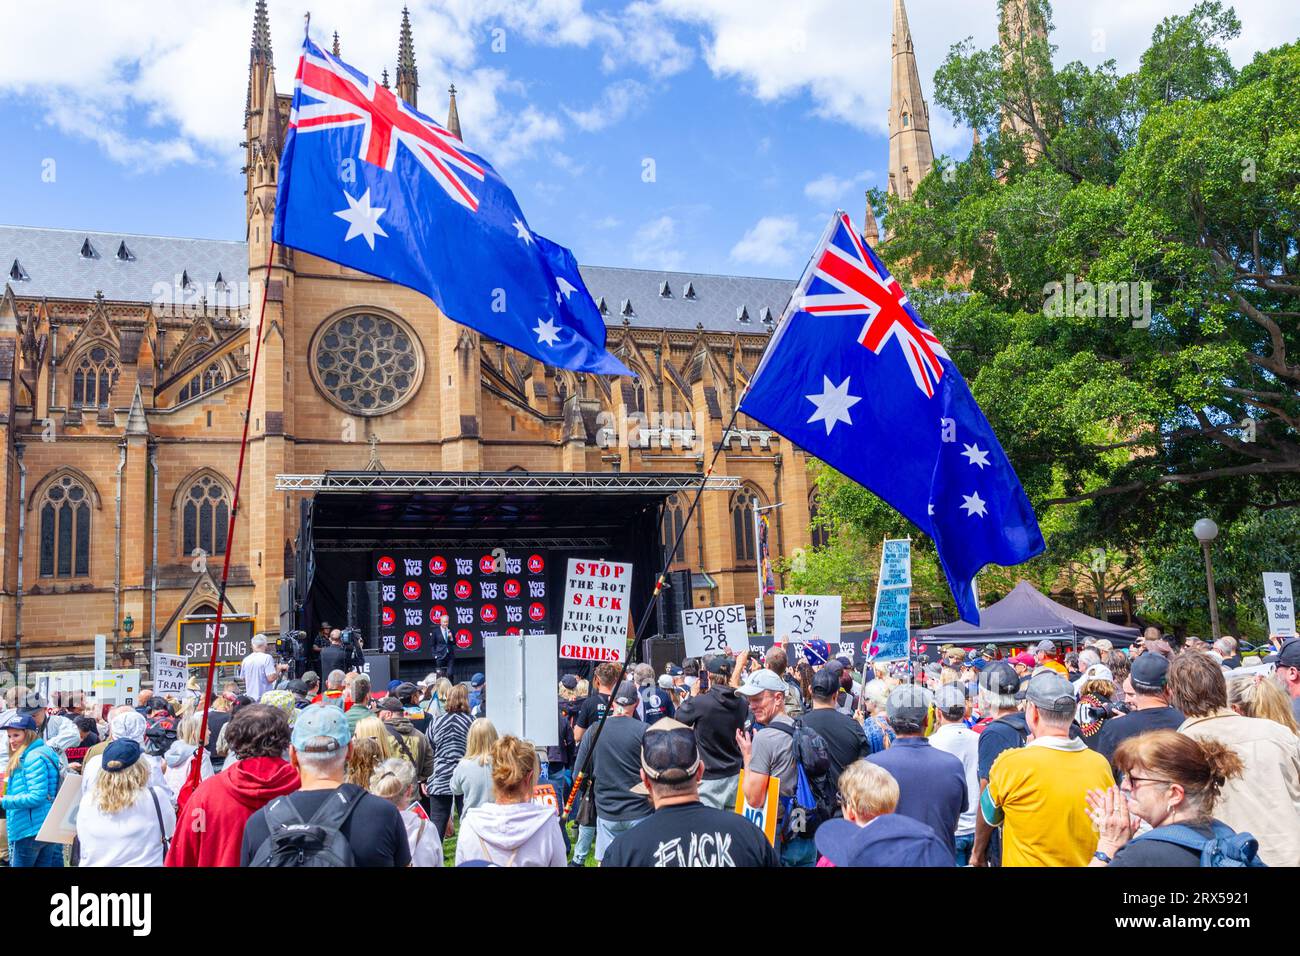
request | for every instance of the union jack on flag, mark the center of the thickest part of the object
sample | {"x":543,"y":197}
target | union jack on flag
{"x":849,"y":279}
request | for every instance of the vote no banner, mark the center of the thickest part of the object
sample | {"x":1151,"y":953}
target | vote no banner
{"x":594,"y":625}
{"x":715,"y":630}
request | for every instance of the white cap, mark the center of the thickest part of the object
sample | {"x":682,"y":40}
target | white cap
{"x":761,"y":680}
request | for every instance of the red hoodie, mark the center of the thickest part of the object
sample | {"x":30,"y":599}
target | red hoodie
{"x":211,"y":827}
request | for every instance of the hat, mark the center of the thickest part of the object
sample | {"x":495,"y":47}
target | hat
{"x":826,"y":682}
{"x":666,"y":683}
{"x":999,"y":678}
{"x":626,"y":694}
{"x":1051,"y":692}
{"x":296,"y":686}
{"x":909,"y":702}
{"x":477,"y":680}
{"x":816,"y":652}
{"x":1288,"y":655}
{"x":405,"y":691}
{"x":668,"y":752}
{"x":390,"y":703}
{"x":1045,"y":647}
{"x":393,"y":685}
{"x":430,"y":679}
{"x":119,"y":755}
{"x":720,"y":665}
{"x":990,"y":650}
{"x":128,"y":725}
{"x":888,"y":840}
{"x":20,"y":721}
{"x":310,"y":677}
{"x":673,"y":670}
{"x":1149,"y":673}
{"x":1104,"y":645}
{"x":281,"y":700}
{"x":949,"y":696}
{"x":321,"y":720}
{"x":1096,"y":672}
{"x":1025,"y":659}
{"x":760,"y":680}
{"x":569,"y":681}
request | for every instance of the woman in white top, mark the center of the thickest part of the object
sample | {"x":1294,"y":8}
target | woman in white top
{"x":394,"y":780}
{"x":472,"y":778}
{"x":179,"y":757}
{"x":125,"y":821}
{"x":512,"y":831}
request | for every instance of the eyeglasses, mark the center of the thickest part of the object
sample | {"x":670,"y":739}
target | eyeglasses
{"x":1135,"y":782}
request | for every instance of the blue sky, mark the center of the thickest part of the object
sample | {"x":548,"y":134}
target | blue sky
{"x":760,"y":116}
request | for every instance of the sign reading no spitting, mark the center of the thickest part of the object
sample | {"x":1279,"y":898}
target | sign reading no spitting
{"x":715,"y":630}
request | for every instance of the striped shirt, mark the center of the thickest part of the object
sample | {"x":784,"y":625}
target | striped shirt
{"x":449,"y":738}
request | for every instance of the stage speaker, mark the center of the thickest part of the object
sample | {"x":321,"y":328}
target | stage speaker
{"x":675,"y":600}
{"x":363,"y":611}
{"x":659,"y":652}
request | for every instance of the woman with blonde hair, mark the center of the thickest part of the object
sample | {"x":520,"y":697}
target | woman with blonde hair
{"x":437,"y":700}
{"x":125,"y":822}
{"x":1253,"y":695}
{"x":179,"y":756}
{"x":472,"y":778}
{"x":373,"y":728}
{"x":394,"y":781}
{"x":513,"y":830}
{"x":364,"y":761}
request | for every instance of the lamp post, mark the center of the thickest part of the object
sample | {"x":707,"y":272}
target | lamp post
{"x":1206,"y":531}
{"x":128,"y":625}
{"x":758,"y":555}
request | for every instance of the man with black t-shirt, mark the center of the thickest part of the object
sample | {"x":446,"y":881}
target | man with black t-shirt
{"x":593,"y":705}
{"x":715,"y":715}
{"x":683,"y":832}
{"x":615,"y":759}
{"x":319,"y":749}
{"x":845,"y":739}
{"x":1148,"y":706}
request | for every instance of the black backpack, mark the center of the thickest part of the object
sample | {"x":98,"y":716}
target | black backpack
{"x":316,"y":842}
{"x":815,"y":803}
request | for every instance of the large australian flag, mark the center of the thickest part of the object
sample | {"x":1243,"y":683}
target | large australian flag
{"x":853,"y":376}
{"x":372,"y":184}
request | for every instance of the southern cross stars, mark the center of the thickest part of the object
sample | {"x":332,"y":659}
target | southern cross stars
{"x":548,"y":332}
{"x":974,"y":504}
{"x":833,"y":403}
{"x":975,"y":455}
{"x":362,"y":218}
{"x":524,"y":234}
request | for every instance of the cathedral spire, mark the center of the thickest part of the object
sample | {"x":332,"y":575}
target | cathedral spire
{"x":407,"y":77}
{"x":1021,"y":27}
{"x":453,"y":117}
{"x":335,"y":50}
{"x":260,"y":59}
{"x":261,"y":32}
{"x":911,"y":151}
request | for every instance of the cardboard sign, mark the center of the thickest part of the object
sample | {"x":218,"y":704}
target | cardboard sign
{"x":60,"y":824}
{"x":594,"y":625}
{"x":194,"y":638}
{"x":170,"y":672}
{"x":801,"y":617}
{"x":544,"y":794}
{"x":715,"y":630}
{"x":1279,"y":604}
{"x":763,"y":817}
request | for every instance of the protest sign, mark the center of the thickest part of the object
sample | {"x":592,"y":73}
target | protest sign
{"x":890,"y":619}
{"x":763,"y":817}
{"x":715,"y":630}
{"x":523,"y":671}
{"x":60,"y":824}
{"x":594,"y":625}
{"x":801,"y":617}
{"x":170,"y":672}
{"x":1279,"y":603}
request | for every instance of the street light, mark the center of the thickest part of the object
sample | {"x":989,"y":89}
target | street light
{"x":1206,"y":531}
{"x":128,"y":625}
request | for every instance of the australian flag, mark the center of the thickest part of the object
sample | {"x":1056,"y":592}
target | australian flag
{"x":372,"y":184}
{"x":853,"y":376}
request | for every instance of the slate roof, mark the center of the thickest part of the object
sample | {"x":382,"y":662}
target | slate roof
{"x":53,"y":265}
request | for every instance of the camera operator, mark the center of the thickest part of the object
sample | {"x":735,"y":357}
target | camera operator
{"x":354,"y":645}
{"x":318,"y":644}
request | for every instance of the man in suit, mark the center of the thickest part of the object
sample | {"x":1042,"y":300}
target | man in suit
{"x":444,"y":645}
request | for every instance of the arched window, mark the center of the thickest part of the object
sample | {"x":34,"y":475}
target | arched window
{"x":65,"y":529}
{"x":674,"y":521}
{"x":93,"y":378}
{"x":205,"y":381}
{"x":907,"y":120}
{"x":205,"y":516}
{"x":742,"y":524}
{"x":820,"y":534}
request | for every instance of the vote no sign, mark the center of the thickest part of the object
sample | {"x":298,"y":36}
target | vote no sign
{"x":594,"y":624}
{"x":715,"y":630}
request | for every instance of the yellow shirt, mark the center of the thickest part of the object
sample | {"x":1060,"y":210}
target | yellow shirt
{"x":1057,"y":666}
{"x":1041,"y":789}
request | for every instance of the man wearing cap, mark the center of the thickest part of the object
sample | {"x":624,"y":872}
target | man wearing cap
{"x":845,"y":739}
{"x":1148,"y":702}
{"x":768,"y":753}
{"x":1038,"y":793}
{"x":1045,"y":656}
{"x":405,"y":740}
{"x":989,"y":653}
{"x":954,"y":737}
{"x":1287,"y":671}
{"x":477,"y":685}
{"x":931,"y":783}
{"x":1024,"y":664}
{"x":683,"y":831}
{"x":615,"y":763}
{"x":716,"y":715}
{"x":320,"y":747}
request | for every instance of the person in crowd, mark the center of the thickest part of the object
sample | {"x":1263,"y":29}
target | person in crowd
{"x":218,"y":716}
{"x":58,"y":732}
{"x":655,"y":703}
{"x":144,"y":700}
{"x":875,"y":724}
{"x":615,"y":756}
{"x":1037,"y":792}
{"x":593,"y":707}
{"x":512,"y":830}
{"x":367,"y":754}
{"x":178,"y":758}
{"x":88,"y":727}
{"x":302,"y":691}
{"x":394,"y":780}
{"x":407,"y":742}
{"x":931,"y":782}
{"x":361,"y":703}
{"x":257,"y":670}
{"x":954,"y":737}
{"x":124,"y":723}
{"x":1024,"y":664}
{"x":1171,"y":783}
{"x":471,"y":781}
{"x":126,"y":822}
{"x":373,"y":728}
{"x":449,"y":737}
{"x":1148,"y":702}
{"x":778,"y":663}
{"x":1287,"y":672}
{"x":1254,"y":695}
{"x":1264,"y":799}
{"x":1073,"y":667}
{"x":1226,"y":648}
{"x":211,"y":825}
{"x":1045,"y":656}
{"x":683,"y":831}
{"x":845,"y":740}
{"x":409,"y":696}
{"x":436,"y":701}
{"x":1098,"y":697}
{"x":716,"y":715}
{"x":372,"y":828}
{"x":31,"y":784}
{"x":333,"y":657}
{"x":871,"y":833}
{"x":334,"y":692}
{"x":477,"y":694}
{"x":560,"y":758}
{"x":1089,"y":658}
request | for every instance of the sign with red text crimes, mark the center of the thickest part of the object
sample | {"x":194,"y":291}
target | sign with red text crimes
{"x":594,"y":623}
{"x":484,"y":593}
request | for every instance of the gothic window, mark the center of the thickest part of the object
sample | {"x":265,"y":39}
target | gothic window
{"x":742,"y":524}
{"x":205,"y":516}
{"x":65,"y":529}
{"x":204,"y":381}
{"x":93,"y":378}
{"x":674,"y":521}
{"x":365,"y":363}
{"x":907,"y":120}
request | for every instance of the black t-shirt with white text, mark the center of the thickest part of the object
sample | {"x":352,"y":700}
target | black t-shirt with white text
{"x":591,"y":709}
{"x":692,"y":835}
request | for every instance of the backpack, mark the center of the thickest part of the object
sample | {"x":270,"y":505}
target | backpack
{"x":814,"y":793}
{"x":1226,"y":848}
{"x":159,"y":734}
{"x":793,"y":697}
{"x":315,"y":842}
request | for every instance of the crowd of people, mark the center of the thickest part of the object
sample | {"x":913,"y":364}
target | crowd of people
{"x":1159,"y":754}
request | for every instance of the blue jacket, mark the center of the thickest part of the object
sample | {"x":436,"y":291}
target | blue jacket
{"x":30,"y":791}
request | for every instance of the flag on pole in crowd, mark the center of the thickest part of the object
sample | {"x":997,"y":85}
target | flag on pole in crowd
{"x":372,"y":184}
{"x":764,"y":555}
{"x":855,"y":377}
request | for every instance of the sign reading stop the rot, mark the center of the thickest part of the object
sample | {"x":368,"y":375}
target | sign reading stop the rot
{"x":594,"y":625}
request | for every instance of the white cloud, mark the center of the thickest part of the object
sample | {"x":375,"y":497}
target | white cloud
{"x":615,"y":102}
{"x":654,"y":245}
{"x":772,"y":241}
{"x":641,"y":37}
{"x":828,"y":188}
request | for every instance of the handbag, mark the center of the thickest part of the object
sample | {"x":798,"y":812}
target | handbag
{"x":162,"y":827}
{"x":586,"y":815}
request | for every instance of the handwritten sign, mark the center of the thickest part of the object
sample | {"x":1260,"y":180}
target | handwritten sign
{"x":763,"y":817}
{"x":170,"y":672}
{"x":594,"y":625}
{"x":1280,"y":604}
{"x":715,"y":630}
{"x":802,"y":617}
{"x":890,"y":619}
